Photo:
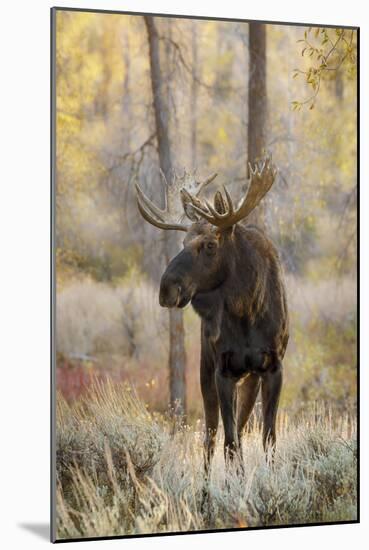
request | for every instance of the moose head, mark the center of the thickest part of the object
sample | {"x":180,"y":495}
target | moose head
{"x":203,"y":263}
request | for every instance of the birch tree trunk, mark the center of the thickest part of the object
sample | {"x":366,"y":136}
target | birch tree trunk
{"x":177,"y":354}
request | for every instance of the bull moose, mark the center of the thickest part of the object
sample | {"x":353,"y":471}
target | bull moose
{"x":232,"y":276}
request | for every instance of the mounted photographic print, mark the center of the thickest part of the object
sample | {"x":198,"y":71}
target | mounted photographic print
{"x":204,"y":263}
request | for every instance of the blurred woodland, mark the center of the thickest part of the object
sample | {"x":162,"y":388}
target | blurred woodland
{"x":109,"y":261}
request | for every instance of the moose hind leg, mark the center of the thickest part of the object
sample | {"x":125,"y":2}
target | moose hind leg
{"x":247,"y":394}
{"x":227,"y":393}
{"x":270,"y":392}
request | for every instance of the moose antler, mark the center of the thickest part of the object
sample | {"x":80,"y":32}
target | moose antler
{"x":177,"y":207}
{"x":223,"y":214}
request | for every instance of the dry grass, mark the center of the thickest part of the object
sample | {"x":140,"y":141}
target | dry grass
{"x":124,"y":329}
{"x":122,"y":470}
{"x":95,"y":318}
{"x":331,"y":300}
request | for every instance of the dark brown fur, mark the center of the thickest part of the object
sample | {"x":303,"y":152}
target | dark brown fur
{"x":233,"y":279}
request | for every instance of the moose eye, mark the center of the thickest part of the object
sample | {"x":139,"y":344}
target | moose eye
{"x":210,"y":247}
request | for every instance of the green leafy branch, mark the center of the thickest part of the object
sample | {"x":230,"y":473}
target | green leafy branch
{"x":328,"y":49}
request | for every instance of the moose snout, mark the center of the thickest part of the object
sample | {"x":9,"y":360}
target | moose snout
{"x":170,"y":291}
{"x":175,"y":284}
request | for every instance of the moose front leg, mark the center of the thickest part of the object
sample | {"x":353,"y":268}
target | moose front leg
{"x":227,"y":394}
{"x":211,"y":409}
{"x":270,"y":391}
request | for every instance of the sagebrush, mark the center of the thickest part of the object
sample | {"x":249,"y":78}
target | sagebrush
{"x":123,"y":470}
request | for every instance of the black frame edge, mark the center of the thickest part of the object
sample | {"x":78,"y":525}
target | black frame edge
{"x":358,"y":272}
{"x":52,"y":273}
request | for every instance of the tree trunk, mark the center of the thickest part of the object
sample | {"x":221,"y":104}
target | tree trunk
{"x":126,"y":102}
{"x":177,"y":354}
{"x":193,"y":106}
{"x":257,"y":105}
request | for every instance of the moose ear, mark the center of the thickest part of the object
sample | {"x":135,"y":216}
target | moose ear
{"x":226,"y":233}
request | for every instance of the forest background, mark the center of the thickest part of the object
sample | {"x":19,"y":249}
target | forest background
{"x":109,"y":262}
